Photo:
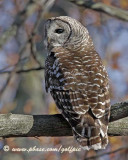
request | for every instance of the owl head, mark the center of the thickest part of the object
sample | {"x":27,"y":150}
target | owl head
{"x":65,"y":32}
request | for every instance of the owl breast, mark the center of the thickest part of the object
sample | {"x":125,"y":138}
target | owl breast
{"x":65,"y":71}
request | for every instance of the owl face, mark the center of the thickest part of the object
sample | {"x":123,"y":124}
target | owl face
{"x":66,"y":32}
{"x":57,"y":32}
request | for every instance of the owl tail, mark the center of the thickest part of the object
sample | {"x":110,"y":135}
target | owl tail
{"x":91,"y":133}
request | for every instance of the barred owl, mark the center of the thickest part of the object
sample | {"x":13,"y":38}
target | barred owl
{"x":77,"y":81}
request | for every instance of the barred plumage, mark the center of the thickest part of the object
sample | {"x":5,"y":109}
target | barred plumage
{"x":78,"y":81}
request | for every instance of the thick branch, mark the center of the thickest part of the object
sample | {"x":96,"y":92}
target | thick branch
{"x":15,"y":125}
{"x":110,"y":10}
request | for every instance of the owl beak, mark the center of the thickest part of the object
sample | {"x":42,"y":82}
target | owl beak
{"x":46,"y":42}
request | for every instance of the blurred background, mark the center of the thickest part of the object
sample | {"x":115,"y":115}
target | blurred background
{"x":22,"y":51}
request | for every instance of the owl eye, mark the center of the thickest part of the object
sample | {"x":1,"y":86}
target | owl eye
{"x":59,"y":31}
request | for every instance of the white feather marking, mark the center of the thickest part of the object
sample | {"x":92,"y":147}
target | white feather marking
{"x":79,"y":65}
{"x":96,"y":146}
{"x":101,"y":110}
{"x":67,"y":73}
{"x":102,"y":133}
{"x":54,"y":66}
{"x":83,"y":131}
{"x":85,"y":147}
{"x":78,"y":74}
{"x":87,"y":56}
{"x":67,"y":119}
{"x":58,"y":74}
{"x":92,"y":85}
{"x":55,"y":71}
{"x":91,"y":71}
{"x":61,"y":80}
{"x":99,"y":74}
{"x":69,"y":77}
{"x":81,"y":105}
{"x":100,"y":123}
{"x":73,"y":83}
{"x":88,"y":65}
{"x":58,"y":53}
{"x":103,"y":103}
{"x":93,"y":137}
{"x":101,"y":95}
{"x":96,"y":79}
{"x":79,"y":98}
{"x":93,"y":92}
{"x":99,"y":115}
{"x":87,"y":61}
{"x":82,"y":84}
{"x":65,"y":107}
{"x":101,"y":81}
{"x":73,"y":100}
{"x":79,"y":112}
{"x":107,"y":101}
{"x":76,"y":107}
{"x":77,"y":61}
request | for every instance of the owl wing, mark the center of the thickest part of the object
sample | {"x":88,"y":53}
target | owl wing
{"x":80,"y":91}
{"x":66,"y":82}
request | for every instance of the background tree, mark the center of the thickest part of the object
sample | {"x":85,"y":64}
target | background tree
{"x":22,"y":56}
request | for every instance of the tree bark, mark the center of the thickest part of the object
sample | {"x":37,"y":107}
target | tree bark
{"x":16,"y":125}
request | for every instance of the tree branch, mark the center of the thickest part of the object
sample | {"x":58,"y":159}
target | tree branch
{"x":106,"y":153}
{"x":110,"y":10}
{"x":16,"y":125}
{"x":19,"y":20}
{"x":23,"y":70}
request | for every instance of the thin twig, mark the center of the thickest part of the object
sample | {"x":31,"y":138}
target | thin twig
{"x":11,"y":73}
{"x":33,"y":51}
{"x":106,"y":153}
{"x":25,"y":70}
{"x":32,"y":44}
{"x":41,"y":12}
